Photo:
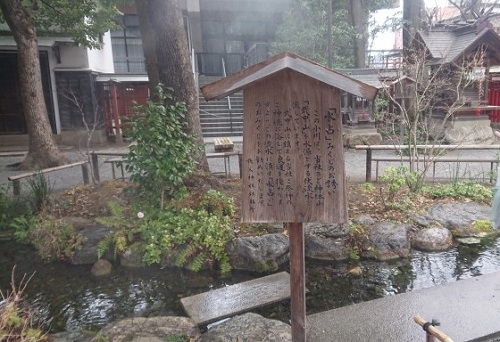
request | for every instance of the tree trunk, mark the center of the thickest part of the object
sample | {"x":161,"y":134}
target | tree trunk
{"x":42,"y":151}
{"x":167,"y":59}
{"x":360,"y":41}
{"x":412,"y":20}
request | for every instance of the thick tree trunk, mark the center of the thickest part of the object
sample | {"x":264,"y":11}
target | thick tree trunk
{"x":167,"y":58}
{"x":43,"y":151}
{"x":412,"y":20}
{"x":360,"y":41}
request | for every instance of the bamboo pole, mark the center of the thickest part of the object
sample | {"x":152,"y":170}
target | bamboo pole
{"x":432,"y":330}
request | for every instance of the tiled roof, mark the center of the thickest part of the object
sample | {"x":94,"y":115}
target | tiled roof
{"x":284,"y":61}
{"x":373,"y":77}
{"x":446,"y":46}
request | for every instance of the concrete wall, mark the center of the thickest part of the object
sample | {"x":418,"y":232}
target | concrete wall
{"x":102,"y":60}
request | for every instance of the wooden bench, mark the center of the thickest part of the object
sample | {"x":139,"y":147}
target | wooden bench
{"x":226,"y":156}
{"x":426,"y":159}
{"x":94,"y":158}
{"x":16,"y":180}
{"x":116,"y":162}
{"x":398,"y":148}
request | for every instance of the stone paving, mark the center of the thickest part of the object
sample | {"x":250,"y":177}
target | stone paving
{"x":467,"y":310}
{"x":354,"y":161}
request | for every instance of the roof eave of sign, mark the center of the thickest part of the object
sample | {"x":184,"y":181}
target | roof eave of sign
{"x":286,"y":60}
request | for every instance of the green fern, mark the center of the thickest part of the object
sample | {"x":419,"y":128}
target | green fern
{"x":197,"y":262}
{"x":225,"y":266}
{"x":104,"y":245}
{"x":117,"y":218}
{"x":185,"y":254}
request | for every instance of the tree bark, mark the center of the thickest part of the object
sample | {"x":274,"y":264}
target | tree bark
{"x":360,"y":41}
{"x":412,"y":20}
{"x":43,"y":152}
{"x":167,"y":59}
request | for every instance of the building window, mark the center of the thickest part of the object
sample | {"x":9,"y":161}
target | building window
{"x":128,"y":56}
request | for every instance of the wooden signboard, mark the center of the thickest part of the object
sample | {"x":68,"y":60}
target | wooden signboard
{"x":293,"y":156}
{"x":293,"y":160}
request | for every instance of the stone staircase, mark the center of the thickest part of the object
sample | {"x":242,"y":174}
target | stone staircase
{"x":217,"y":119}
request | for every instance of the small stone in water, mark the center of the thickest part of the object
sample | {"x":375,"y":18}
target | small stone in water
{"x":469,"y":240}
{"x":355,"y":271}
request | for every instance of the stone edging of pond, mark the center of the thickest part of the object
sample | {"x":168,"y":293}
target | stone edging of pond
{"x":245,"y":327}
{"x":439,"y":228}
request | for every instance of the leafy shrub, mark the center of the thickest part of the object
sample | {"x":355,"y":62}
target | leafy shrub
{"x":41,"y":189}
{"x":368,"y":187}
{"x":163,"y":154}
{"x":204,"y":229}
{"x":459,"y":190}
{"x":201,"y":224}
{"x":6,"y":206}
{"x":23,"y":226}
{"x":124,"y":228}
{"x":55,"y":239}
{"x":394,"y":181}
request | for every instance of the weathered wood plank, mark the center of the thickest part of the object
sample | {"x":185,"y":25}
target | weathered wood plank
{"x":13,"y":154}
{"x":43,"y":171}
{"x":210,"y":306}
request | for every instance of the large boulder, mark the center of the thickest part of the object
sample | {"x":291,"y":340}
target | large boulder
{"x":264,"y":253}
{"x":432,"y":239}
{"x":318,"y":247}
{"x":248,"y":327}
{"x":87,"y":254}
{"x":73,"y":336}
{"x":132,"y":256}
{"x":152,"y":329}
{"x":387,"y":240}
{"x":459,"y":218}
{"x":101,"y":267}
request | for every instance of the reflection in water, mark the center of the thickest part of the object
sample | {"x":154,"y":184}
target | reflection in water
{"x":70,"y":298}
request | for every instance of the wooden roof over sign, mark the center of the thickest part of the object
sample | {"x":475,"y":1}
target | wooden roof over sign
{"x":283,"y":61}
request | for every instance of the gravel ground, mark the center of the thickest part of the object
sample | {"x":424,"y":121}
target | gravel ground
{"x":354,"y":160}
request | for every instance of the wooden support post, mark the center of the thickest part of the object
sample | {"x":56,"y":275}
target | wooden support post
{"x":85,"y":173}
{"x":116,"y":114}
{"x":491,"y":172}
{"x":17,"y":187}
{"x":240,"y":164}
{"x":113,"y":172}
{"x":297,"y":282}
{"x":94,"y":159}
{"x":368,"y":165}
{"x":122,"y":170}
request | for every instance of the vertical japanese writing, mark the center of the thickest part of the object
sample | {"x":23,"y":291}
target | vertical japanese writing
{"x":293,"y":161}
{"x":331,"y":181}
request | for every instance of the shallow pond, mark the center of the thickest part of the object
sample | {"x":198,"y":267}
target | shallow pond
{"x":70,"y":298}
